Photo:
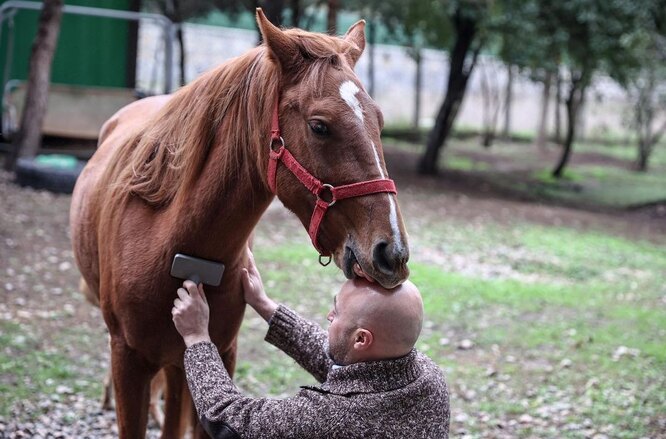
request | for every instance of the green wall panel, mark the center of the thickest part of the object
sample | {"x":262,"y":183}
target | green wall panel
{"x":91,"y":50}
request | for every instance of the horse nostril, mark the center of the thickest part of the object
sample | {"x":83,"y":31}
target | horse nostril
{"x":383,"y":258}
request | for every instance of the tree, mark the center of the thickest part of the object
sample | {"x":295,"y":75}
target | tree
{"x":463,"y":56}
{"x":492,"y":100}
{"x":649,"y":104}
{"x":646,"y":87}
{"x":542,"y":130}
{"x":599,"y":39}
{"x":332,"y":16}
{"x":535,"y":56}
{"x":454,"y":24}
{"x":573,"y":40}
{"x":29,"y":136}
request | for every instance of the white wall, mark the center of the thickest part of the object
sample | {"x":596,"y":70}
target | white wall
{"x":207,"y":46}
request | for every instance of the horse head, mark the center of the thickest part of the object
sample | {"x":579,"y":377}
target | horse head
{"x":328,"y":165}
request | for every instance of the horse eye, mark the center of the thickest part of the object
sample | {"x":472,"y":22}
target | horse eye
{"x":318,"y":127}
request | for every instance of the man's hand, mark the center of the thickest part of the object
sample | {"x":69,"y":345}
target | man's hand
{"x":190,"y":313}
{"x":253,"y":290}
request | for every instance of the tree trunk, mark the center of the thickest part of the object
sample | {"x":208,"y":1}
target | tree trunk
{"x":417,"y":89}
{"x":488,"y":138}
{"x":507,"y":102}
{"x":542,"y":131}
{"x":132,"y":46}
{"x":372,"y":34}
{"x":29,"y":136}
{"x":490,"y":103}
{"x":646,"y":143}
{"x":296,"y":12}
{"x":181,"y":45}
{"x":332,"y":16}
{"x":457,"y":83}
{"x":558,"y":109}
{"x":643,"y":154}
{"x":273,"y":10}
{"x":573,"y":104}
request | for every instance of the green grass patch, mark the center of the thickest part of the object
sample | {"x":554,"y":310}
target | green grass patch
{"x":27,"y":369}
{"x":465,"y":164}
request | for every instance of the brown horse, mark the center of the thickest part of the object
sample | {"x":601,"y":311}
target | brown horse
{"x":193,"y":172}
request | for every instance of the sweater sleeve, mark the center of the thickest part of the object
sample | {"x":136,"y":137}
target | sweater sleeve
{"x":226,"y":413}
{"x":303,"y":340}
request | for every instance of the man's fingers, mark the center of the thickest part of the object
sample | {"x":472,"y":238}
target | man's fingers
{"x":202,"y":295}
{"x":182,"y":294}
{"x":190,"y":286}
{"x":178,"y":307}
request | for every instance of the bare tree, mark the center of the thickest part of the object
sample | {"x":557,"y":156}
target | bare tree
{"x":332,"y":16}
{"x":508,"y":99}
{"x":542,"y":131}
{"x":649,"y":98}
{"x":29,"y":136}
{"x":491,"y":95}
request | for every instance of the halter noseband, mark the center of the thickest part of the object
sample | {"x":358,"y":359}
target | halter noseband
{"x":278,"y":152}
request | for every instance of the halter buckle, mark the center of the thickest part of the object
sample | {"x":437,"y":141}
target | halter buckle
{"x":276,"y":141}
{"x":322,"y":258}
{"x":330,"y":189}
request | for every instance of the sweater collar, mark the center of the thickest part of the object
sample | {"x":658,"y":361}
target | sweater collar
{"x":373,"y":376}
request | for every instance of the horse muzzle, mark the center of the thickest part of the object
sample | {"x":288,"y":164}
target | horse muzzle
{"x":385,"y":264}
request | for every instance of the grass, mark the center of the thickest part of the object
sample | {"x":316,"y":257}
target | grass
{"x":30,"y":367}
{"x":549,"y":336}
{"x":606,"y":179}
{"x":567,"y":326}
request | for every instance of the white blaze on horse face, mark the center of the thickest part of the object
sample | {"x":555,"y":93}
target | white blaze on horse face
{"x":393,"y":213}
{"x":348,"y":92}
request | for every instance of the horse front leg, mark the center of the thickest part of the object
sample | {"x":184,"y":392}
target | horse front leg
{"x":177,"y":404}
{"x":131,"y":382}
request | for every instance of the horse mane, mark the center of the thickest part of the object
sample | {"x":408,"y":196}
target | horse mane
{"x":230,"y":105}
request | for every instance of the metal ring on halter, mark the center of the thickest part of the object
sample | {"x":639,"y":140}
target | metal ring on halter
{"x":330,"y":189}
{"x":279,"y":140}
{"x":323,"y":264}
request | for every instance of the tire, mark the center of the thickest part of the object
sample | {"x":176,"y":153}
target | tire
{"x":41,"y":176}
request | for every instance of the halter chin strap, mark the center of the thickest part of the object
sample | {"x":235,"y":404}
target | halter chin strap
{"x":326,"y":195}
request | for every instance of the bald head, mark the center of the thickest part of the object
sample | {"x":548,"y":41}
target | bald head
{"x":394,"y":317}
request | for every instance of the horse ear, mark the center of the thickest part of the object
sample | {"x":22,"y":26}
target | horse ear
{"x":282,"y":48}
{"x":356,"y":36}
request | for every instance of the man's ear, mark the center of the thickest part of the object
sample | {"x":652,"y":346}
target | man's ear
{"x":280,"y":46}
{"x":363,"y":339}
{"x":356,"y":36}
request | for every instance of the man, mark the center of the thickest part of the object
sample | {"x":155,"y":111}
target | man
{"x":375,"y":384}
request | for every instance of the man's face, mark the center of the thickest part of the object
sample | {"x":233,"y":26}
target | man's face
{"x":341,"y":328}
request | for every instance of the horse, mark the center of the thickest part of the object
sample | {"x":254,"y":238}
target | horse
{"x":192,"y":173}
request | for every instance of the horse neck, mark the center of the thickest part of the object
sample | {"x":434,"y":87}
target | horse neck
{"x":225,"y":201}
{"x":219,"y":214}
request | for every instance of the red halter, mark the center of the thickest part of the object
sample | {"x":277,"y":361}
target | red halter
{"x":314,"y":185}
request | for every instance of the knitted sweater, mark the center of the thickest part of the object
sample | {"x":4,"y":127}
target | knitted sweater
{"x":401,"y":398}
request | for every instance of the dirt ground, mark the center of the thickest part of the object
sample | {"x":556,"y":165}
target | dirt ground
{"x":38,"y":278}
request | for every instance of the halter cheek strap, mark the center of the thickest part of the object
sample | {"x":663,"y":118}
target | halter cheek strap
{"x":326,"y":195}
